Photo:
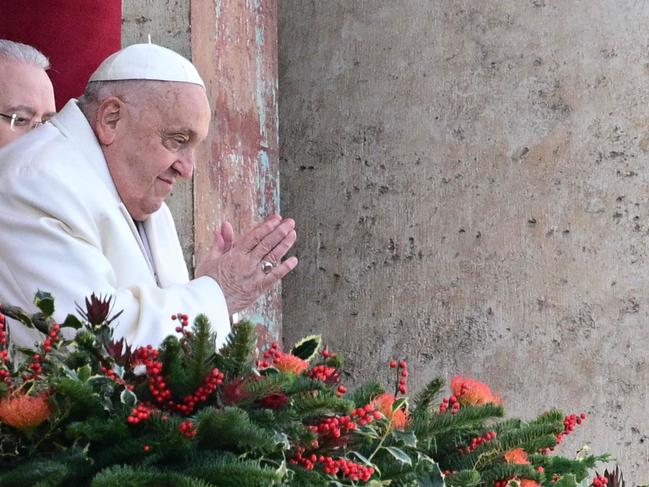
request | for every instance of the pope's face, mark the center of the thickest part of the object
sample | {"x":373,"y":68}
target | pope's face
{"x":155,"y":144}
{"x":26,"y":91}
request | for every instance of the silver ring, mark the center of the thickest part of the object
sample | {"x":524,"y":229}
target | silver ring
{"x":266,"y":266}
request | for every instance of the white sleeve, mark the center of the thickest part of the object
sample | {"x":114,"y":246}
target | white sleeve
{"x":50,"y":240}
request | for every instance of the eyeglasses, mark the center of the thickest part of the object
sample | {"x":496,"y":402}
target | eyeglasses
{"x":18,"y":123}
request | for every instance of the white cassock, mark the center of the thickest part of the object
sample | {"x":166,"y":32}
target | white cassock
{"x":64,"y":229}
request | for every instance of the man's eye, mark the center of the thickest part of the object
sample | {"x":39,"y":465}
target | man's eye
{"x":176,"y":143}
{"x":21,"y":121}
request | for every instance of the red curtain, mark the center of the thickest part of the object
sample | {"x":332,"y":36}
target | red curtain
{"x":76,"y":35}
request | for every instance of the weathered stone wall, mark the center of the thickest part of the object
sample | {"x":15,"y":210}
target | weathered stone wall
{"x":469,"y":180}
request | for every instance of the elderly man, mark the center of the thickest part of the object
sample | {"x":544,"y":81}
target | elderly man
{"x":26,"y":93}
{"x":82,"y":206}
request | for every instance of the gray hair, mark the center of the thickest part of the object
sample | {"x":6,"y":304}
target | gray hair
{"x":132,"y":89}
{"x":17,"y":51}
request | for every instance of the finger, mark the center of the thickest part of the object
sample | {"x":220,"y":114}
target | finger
{"x":278,"y":273}
{"x":257,"y":234}
{"x":280,"y":250}
{"x":227,"y":235}
{"x":273,"y":239}
{"x":218,"y":244}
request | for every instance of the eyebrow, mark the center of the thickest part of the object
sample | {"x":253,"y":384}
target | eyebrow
{"x":22,"y":108}
{"x":184,"y":131}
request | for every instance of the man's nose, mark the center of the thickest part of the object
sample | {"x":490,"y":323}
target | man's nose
{"x":184,"y":165}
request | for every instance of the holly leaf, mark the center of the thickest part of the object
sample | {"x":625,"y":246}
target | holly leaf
{"x":408,"y":438}
{"x":71,"y":321}
{"x":128,"y":398}
{"x":399,"y":454}
{"x":45,"y":302}
{"x":399,"y":403}
{"x":307,"y":348}
{"x":365,"y":461}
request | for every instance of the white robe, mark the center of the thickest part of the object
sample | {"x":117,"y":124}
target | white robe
{"x":64,"y":229}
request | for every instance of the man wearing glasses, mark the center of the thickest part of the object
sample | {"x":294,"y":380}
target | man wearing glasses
{"x":26,"y":92}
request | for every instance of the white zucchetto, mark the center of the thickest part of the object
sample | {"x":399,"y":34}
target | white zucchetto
{"x":147,"y":61}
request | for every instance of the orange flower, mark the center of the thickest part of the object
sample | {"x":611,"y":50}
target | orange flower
{"x":285,"y":362}
{"x":517,"y":456}
{"x":473,"y":392}
{"x":383,"y":403}
{"x":24,"y":412}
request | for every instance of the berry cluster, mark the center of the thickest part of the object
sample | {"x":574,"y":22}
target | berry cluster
{"x":184,"y":323}
{"x":324,"y":373}
{"x":600,"y":481}
{"x":36,"y":360}
{"x":570,"y":422}
{"x":334,"y":466}
{"x":327,"y":354}
{"x":269,"y":356}
{"x":53,"y":337}
{"x":161,"y":392}
{"x":141,"y":412}
{"x":366,"y":414}
{"x":449,"y":402}
{"x":187,"y":429}
{"x":476,"y":442}
{"x":333,"y":427}
{"x":110,"y":373}
{"x":5,"y":373}
{"x":402,"y":374}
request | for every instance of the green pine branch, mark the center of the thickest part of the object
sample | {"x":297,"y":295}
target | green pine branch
{"x":231,"y":429}
{"x":144,"y":477}
{"x":201,"y":343}
{"x":424,"y":400}
{"x":234,"y":358}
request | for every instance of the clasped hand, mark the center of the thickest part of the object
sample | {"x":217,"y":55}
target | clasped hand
{"x":237,"y":265}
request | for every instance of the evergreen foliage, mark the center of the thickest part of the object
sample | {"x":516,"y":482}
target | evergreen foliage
{"x":95,"y":412}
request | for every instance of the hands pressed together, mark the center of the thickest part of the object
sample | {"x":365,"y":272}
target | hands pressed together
{"x":241,"y":267}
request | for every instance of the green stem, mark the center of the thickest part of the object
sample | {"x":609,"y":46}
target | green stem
{"x":385,"y":435}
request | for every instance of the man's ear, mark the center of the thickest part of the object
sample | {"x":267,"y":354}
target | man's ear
{"x":108,"y":116}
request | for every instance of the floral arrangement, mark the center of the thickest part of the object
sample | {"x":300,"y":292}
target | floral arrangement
{"x":98,"y":412}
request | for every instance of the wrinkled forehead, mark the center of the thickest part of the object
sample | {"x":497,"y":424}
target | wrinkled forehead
{"x":178,"y":104}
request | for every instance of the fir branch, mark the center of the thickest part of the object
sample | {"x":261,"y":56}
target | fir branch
{"x":228,"y":471}
{"x":201,"y":343}
{"x":526,"y":435}
{"x":562,"y":466}
{"x":99,"y":430}
{"x":425,"y":398}
{"x":365,"y":393}
{"x":308,"y":478}
{"x":463,"y":478}
{"x":231,"y":429}
{"x":144,"y":477}
{"x":177,"y":375}
{"x":70,"y":465}
{"x":506,"y":470}
{"x":234,"y":357}
{"x":307,"y":406}
{"x":78,"y":397}
{"x":468,"y":417}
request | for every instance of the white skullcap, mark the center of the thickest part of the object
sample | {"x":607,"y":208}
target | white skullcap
{"x":147,"y":61}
